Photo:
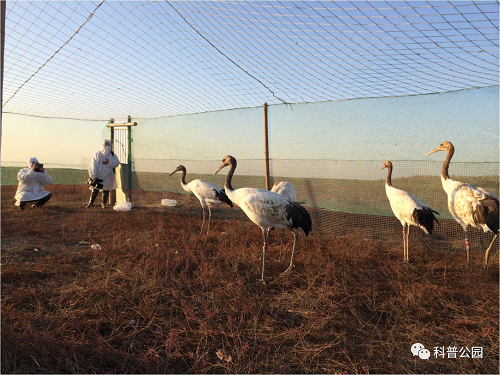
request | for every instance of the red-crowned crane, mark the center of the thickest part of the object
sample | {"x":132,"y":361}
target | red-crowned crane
{"x":408,"y":209}
{"x":267,"y":209}
{"x":469,"y":205}
{"x":287,"y":190}
{"x":206,"y":192}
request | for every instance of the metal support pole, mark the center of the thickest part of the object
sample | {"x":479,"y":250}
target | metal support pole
{"x":3,"y":10}
{"x":129,"y":160}
{"x":266,"y":148}
{"x":112,"y":193}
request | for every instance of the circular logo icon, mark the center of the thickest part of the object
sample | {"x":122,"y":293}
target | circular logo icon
{"x":416,"y":347}
{"x":424,"y":353}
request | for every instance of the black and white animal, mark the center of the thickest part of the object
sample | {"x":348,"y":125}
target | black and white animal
{"x":408,"y":209}
{"x":267,"y":209}
{"x":206,"y":192}
{"x":469,"y":205}
{"x":287,"y":190}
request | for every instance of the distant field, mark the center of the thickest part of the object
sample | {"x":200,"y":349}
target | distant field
{"x":339,"y":195}
{"x":156,"y":297}
{"x":61,"y":176}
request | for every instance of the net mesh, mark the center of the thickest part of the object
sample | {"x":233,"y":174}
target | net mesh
{"x":83,"y":59}
{"x":194,"y":76}
{"x":351,"y":199}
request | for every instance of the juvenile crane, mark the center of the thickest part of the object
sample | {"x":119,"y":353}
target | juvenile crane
{"x":206,"y":192}
{"x":469,"y":205}
{"x":408,"y":209}
{"x":287,"y":190}
{"x":267,"y":209}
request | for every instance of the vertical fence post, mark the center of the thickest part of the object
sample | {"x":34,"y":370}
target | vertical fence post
{"x":3,"y":10}
{"x":129,"y":157}
{"x":112,"y":195}
{"x":266,"y":147}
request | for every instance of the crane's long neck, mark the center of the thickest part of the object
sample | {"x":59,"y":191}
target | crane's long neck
{"x":229,"y":176}
{"x":388,"y":179}
{"x":183,"y":178}
{"x":446,"y":164}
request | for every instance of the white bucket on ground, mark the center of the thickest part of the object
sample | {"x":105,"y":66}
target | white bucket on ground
{"x":169,"y":202}
{"x":122,"y":206}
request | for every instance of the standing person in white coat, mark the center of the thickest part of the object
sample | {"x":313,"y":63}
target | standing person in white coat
{"x":102,"y":174}
{"x":32,"y":180}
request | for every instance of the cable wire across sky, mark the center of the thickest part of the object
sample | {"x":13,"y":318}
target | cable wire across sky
{"x":102,"y":59}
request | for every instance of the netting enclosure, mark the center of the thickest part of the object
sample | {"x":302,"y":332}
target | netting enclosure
{"x":349,"y":85}
{"x":346,"y":191}
{"x":102,"y":59}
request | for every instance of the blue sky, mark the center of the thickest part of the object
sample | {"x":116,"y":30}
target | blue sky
{"x":395,"y":128}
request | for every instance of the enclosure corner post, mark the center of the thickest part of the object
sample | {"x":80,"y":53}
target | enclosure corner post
{"x":266,"y":147}
{"x":112,"y":195}
{"x":3,"y":10}
{"x":129,"y":162}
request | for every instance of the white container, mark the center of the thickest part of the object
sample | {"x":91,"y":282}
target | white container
{"x":123,"y":206}
{"x":169,"y":202}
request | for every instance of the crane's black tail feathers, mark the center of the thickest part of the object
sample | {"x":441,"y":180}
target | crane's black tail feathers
{"x":300,"y":217}
{"x":221,"y":196}
{"x":486,"y":212}
{"x":425,"y":218}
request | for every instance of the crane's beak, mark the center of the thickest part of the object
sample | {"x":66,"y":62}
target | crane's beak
{"x":220,"y":167}
{"x":176,"y":170}
{"x":435,"y":150}
{"x":384,"y":167}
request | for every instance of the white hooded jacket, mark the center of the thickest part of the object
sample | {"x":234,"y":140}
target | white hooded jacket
{"x":31,"y":184}
{"x":104,"y":171}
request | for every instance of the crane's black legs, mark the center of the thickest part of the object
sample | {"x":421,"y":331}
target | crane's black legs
{"x":295,"y":236}
{"x":488,"y":251}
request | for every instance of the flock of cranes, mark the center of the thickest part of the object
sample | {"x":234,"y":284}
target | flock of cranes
{"x":469,"y":205}
{"x":267,"y":209}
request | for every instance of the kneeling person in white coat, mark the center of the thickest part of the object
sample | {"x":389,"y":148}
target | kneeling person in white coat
{"x":32,"y":180}
{"x":101,"y":172}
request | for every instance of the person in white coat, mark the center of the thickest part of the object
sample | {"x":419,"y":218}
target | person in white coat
{"x":30,"y":190}
{"x":101,"y":172}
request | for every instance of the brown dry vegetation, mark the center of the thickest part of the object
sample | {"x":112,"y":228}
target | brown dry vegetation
{"x":159,"y":298}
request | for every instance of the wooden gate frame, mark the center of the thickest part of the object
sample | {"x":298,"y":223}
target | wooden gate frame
{"x":126,"y":186}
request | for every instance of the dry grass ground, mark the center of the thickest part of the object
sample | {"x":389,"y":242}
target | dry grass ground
{"x":156,"y":297}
